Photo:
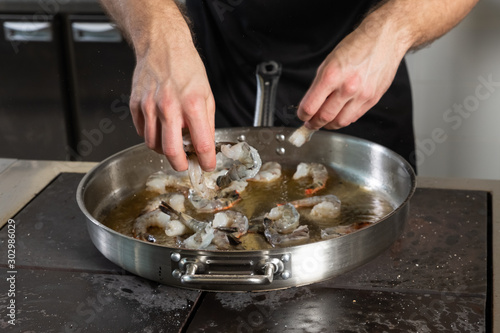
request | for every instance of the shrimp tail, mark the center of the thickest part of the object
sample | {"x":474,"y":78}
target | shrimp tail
{"x":233,"y":240}
{"x":315,"y":188}
{"x":146,"y":237}
{"x":224,"y":181}
{"x":312,"y":190}
{"x":167,"y":209}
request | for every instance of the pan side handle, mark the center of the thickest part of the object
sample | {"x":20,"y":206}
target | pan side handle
{"x":272,"y":267}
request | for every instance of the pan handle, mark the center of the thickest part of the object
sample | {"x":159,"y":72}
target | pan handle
{"x":270,"y":269}
{"x":268,"y":74}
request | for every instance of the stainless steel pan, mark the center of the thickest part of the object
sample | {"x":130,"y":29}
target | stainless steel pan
{"x":356,"y":160}
{"x":360,"y":161}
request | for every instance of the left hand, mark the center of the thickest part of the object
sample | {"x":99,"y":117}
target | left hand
{"x":352,"y":78}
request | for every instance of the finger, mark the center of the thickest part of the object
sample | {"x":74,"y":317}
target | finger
{"x":137,"y":116}
{"x":171,"y":142}
{"x":151,"y":128}
{"x":352,"y":111}
{"x":328,"y":111}
{"x":211,"y":114}
{"x":324,"y":83}
{"x":199,"y":120}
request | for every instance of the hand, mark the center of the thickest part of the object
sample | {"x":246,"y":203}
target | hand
{"x":352,"y":78}
{"x":170,"y":91}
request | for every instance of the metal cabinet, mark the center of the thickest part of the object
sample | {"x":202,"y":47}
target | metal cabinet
{"x":32,"y":89}
{"x":101,"y":64}
{"x":64,"y":87}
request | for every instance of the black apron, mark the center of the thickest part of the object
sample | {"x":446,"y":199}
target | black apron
{"x":233,"y":36}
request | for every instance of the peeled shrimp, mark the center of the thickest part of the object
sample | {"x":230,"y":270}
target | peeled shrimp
{"x":301,"y":136}
{"x":316,"y":171}
{"x":200,"y":239}
{"x":221,"y":240}
{"x":275,"y":238}
{"x":175,"y":200}
{"x":341,"y":230}
{"x":235,"y":186}
{"x":269,"y":172}
{"x":234,"y":163}
{"x":231,"y":221}
{"x":158,"y":181}
{"x":203,"y":205}
{"x":325,"y":210}
{"x":187,"y":220}
{"x":246,"y":163}
{"x":155,"y":218}
{"x":204,"y":232}
{"x":175,"y":228}
{"x":312,"y":201}
{"x":199,"y":179}
{"x":285,"y":218}
{"x":324,"y":206}
{"x":281,"y":226}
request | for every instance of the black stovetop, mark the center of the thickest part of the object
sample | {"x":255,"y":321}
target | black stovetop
{"x":434,"y":278}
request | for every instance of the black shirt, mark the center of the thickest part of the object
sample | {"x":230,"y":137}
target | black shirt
{"x":233,"y":36}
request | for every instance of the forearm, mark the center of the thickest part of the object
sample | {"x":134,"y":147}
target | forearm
{"x":170,"y":88}
{"x":360,"y":69}
{"x":153,"y":22}
{"x":413,"y":24}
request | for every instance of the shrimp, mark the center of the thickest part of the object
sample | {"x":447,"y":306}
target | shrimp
{"x":187,"y":220}
{"x":324,"y":206}
{"x":281,"y":226}
{"x":275,"y":238}
{"x":158,"y":181}
{"x":203,"y":231}
{"x":200,"y":239}
{"x":269,"y":172}
{"x":325,"y":210}
{"x":199,"y":179}
{"x":301,"y":136}
{"x":231,"y":221}
{"x":233,"y":164}
{"x":223,"y":241}
{"x":175,"y":228}
{"x":225,"y":198}
{"x":155,"y":218}
{"x":176,"y":200}
{"x":203,"y":205}
{"x":316,"y":171}
{"x":341,"y":230}
{"x":235,"y":186}
{"x":246,"y":163}
{"x":312,"y":201}
{"x":285,"y":218}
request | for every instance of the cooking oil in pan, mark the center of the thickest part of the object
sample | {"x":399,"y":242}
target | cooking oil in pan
{"x":358,"y":204}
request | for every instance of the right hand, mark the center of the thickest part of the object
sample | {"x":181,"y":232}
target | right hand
{"x":170,"y":91}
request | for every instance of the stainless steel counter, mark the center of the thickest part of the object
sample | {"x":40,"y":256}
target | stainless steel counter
{"x":22,"y":180}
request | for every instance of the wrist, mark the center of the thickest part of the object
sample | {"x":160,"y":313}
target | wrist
{"x":164,"y":30}
{"x":387,"y":24}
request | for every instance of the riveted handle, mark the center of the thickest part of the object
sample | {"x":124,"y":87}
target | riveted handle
{"x":268,"y":74}
{"x":274,"y":266}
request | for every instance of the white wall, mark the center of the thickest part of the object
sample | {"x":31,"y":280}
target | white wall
{"x":448,"y":75}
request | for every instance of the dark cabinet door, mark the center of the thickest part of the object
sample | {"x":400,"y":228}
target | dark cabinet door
{"x":32,"y":102}
{"x":102,"y":65}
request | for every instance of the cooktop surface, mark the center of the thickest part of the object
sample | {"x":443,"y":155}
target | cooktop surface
{"x":436,"y":277}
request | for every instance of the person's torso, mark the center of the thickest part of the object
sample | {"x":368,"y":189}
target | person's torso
{"x":234,"y":36}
